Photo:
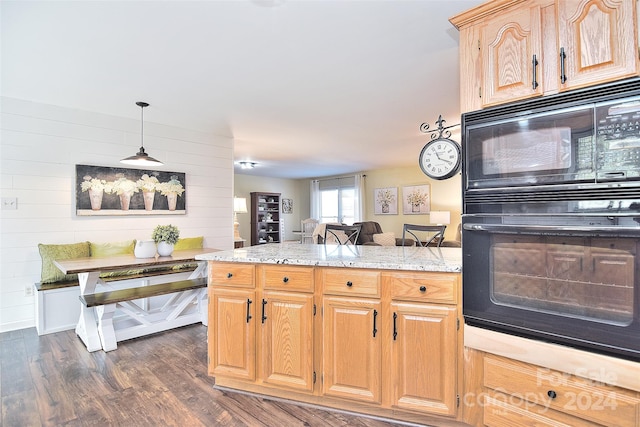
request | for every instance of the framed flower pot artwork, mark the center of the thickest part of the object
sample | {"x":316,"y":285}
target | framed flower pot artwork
{"x":385,"y":201}
{"x":104,"y":190}
{"x":416,"y":200}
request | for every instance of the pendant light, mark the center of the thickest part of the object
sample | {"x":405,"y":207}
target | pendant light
{"x":141,"y":158}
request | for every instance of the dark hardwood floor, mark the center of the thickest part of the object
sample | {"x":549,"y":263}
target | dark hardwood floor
{"x":159,"y":380}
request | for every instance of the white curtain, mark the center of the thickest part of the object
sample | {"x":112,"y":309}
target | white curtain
{"x":359,"y":198}
{"x":315,"y":199}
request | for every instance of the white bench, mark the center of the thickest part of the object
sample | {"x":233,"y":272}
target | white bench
{"x":56,"y":304}
{"x":138,"y":320}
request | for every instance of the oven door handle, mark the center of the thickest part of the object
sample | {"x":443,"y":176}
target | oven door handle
{"x":552,"y":229}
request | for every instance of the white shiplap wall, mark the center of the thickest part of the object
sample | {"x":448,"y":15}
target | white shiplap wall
{"x":39,"y":148}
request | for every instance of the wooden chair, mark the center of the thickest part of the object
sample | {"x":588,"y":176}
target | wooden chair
{"x":437,"y":230}
{"x":341,"y":234}
{"x":306,"y":229}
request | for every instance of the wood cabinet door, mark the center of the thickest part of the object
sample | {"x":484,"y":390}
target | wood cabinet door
{"x":286,"y":352}
{"x":599,"y":39}
{"x":231,"y":334}
{"x":509,"y":43}
{"x":352,"y":349}
{"x":424,"y":358}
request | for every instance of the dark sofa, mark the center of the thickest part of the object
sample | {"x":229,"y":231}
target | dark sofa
{"x":369,"y":228}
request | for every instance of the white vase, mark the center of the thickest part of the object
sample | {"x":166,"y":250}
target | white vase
{"x":145,"y":249}
{"x":148,"y":199}
{"x":165,"y":249}
{"x":95,"y":197}
{"x":172,"y":200}
{"x":125,"y":199}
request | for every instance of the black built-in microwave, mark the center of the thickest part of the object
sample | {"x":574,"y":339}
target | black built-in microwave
{"x":587,"y":137}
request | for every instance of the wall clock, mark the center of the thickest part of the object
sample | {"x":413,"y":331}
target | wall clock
{"x":441,"y":157}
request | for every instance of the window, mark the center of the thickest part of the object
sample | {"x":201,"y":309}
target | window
{"x":337,"y":205}
{"x":337,"y":200}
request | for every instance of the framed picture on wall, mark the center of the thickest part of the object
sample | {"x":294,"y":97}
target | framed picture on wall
{"x":416,"y":200}
{"x":287,"y":206}
{"x":385,"y":201}
{"x":104,"y":190}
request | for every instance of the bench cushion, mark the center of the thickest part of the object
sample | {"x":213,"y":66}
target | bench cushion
{"x":189,"y":243}
{"x":112,"y":248}
{"x":50,"y":273}
{"x":125,"y":247}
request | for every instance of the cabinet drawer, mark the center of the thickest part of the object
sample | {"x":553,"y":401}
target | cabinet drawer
{"x":428,"y":287}
{"x":231,"y":274}
{"x":586,"y":399}
{"x":501,"y":410}
{"x":350,"y":281}
{"x":286,"y":278}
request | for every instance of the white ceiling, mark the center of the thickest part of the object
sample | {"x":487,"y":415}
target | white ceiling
{"x":306,"y":88}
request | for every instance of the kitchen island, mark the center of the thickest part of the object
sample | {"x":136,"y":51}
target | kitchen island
{"x":368,"y":329}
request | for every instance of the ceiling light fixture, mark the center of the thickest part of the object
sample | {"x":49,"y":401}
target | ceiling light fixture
{"x":141,"y":158}
{"x":247,"y":165}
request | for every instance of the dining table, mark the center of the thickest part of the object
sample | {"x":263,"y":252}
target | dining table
{"x":142,"y":321}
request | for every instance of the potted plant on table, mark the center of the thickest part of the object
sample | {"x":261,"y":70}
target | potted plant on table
{"x":165,"y":237}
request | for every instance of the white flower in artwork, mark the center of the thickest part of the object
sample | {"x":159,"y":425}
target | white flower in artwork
{"x":90,"y":183}
{"x":123,"y":185}
{"x":173,"y":186}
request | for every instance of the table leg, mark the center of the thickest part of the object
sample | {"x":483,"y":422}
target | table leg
{"x":105,"y":326}
{"x":203,"y":298}
{"x":87,"y":328}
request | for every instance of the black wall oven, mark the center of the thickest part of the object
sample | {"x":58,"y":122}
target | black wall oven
{"x":551,"y":219}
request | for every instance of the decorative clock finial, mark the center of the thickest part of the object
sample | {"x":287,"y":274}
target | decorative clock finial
{"x":441,"y":132}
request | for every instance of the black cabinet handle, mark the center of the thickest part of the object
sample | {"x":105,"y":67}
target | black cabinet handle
{"x":395,"y":326}
{"x":229,"y":275}
{"x":423,"y":289}
{"x":285,"y":279}
{"x":563,"y":74}
{"x":248,"y":309}
{"x":264,"y":302}
{"x":534,"y":83}
{"x":349,"y":284}
{"x":375,"y":316}
{"x":552,"y":394}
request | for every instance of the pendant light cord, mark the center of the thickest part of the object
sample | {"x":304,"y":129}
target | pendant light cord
{"x":142,"y":104}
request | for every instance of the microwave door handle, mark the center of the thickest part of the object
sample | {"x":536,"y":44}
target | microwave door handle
{"x":551,"y":229}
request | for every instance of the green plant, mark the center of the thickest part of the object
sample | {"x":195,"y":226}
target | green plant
{"x":166,"y":233}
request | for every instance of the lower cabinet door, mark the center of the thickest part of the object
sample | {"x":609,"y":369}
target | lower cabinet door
{"x":424,"y":358}
{"x":352,"y":349}
{"x":231,"y":335}
{"x":287,"y":340}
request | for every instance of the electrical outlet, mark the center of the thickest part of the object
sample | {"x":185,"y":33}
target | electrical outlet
{"x":9,"y":203}
{"x":28,"y":290}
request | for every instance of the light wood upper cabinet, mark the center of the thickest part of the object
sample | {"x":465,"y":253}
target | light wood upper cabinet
{"x":512,"y":45}
{"x":599,"y":41}
{"x":576,"y":43}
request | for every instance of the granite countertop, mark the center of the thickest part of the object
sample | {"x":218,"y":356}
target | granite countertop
{"x":447,"y":260}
